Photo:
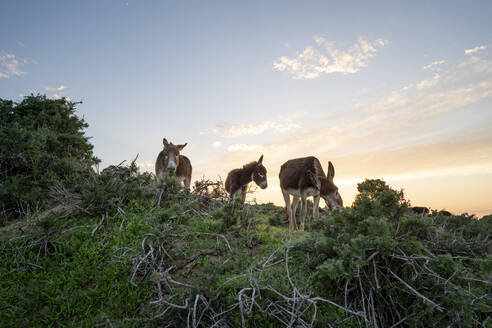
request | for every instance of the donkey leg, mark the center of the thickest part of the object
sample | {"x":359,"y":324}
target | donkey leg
{"x":234,"y":192}
{"x":303,"y":210}
{"x":160,"y":177}
{"x":315,"y":208}
{"x":292,"y":222}
{"x":244,"y":189}
{"x":187,"y":182}
{"x":295,"y":202}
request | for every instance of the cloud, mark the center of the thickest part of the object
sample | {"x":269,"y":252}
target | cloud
{"x":216,"y":144}
{"x":56,"y":92}
{"x":428,"y":83}
{"x":463,"y":84}
{"x":10,"y":65}
{"x":434,"y":66}
{"x":60,"y":88}
{"x":242,"y":147}
{"x":146,"y":166}
{"x":20,"y":43}
{"x":324,"y":58}
{"x":279,"y":124}
{"x":476,"y":49}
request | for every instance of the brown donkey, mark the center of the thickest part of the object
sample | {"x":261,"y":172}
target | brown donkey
{"x":169,"y":160}
{"x":238,"y":179}
{"x":304,"y":177}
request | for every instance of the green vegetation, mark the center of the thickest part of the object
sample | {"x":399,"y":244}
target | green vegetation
{"x":392,"y":265}
{"x":116,"y":249}
{"x":41,"y":142}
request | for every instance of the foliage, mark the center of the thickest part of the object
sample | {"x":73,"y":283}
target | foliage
{"x":107,"y":192}
{"x":229,"y":213}
{"x":65,"y":268}
{"x":136,"y":253}
{"x":390,"y":266}
{"x":41,"y":141}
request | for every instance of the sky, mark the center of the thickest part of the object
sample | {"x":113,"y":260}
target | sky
{"x":396,"y":90}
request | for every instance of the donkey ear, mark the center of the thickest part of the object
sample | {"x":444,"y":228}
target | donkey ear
{"x":331,"y":172}
{"x":260,"y":160}
{"x":164,"y":142}
{"x":180,"y":147}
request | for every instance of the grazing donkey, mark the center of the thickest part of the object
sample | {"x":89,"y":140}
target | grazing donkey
{"x":304,"y":177}
{"x":238,"y":179}
{"x":169,"y":160}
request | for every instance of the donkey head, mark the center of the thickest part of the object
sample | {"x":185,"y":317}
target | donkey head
{"x":329,"y":192}
{"x":259,"y":174}
{"x":171,"y":155}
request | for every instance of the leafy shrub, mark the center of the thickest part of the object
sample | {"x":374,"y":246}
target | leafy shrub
{"x":229,"y":213}
{"x":41,"y":141}
{"x":390,"y":266}
{"x":106,"y":192}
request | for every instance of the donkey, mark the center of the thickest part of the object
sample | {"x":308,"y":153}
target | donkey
{"x":238,"y":179}
{"x":170,"y":161}
{"x":304,"y":177}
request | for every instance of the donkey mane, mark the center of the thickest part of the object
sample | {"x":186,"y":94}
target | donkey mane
{"x":250,"y":166}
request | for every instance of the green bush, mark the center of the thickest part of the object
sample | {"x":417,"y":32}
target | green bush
{"x":41,"y":141}
{"x":104,"y":193}
{"x":377,"y":259}
{"x":228,"y":213}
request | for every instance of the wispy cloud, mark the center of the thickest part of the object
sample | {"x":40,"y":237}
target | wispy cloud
{"x":434,"y":66}
{"x":476,"y":49}
{"x":10,"y":65}
{"x":217,"y":144}
{"x":60,"y":88}
{"x":242,"y":147}
{"x":324,"y":58}
{"x":463,"y":84}
{"x":427,"y":83}
{"x":56,"y":92}
{"x":279,"y":124}
{"x":146,"y":166}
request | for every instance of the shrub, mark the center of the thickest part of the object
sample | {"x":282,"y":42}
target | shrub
{"x":41,"y":141}
{"x":389,"y":266}
{"x":228,"y":213}
{"x":104,"y":193}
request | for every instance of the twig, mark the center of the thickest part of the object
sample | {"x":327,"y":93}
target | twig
{"x":97,"y":227}
{"x":415,"y":291}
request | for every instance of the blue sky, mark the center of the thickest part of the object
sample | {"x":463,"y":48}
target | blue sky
{"x":388,"y":89}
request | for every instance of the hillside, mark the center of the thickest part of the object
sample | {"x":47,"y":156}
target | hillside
{"x":117,"y":249}
{"x":167,"y":258}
